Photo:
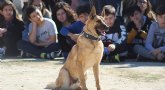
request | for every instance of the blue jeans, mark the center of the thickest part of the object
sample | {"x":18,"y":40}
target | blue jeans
{"x":36,"y":50}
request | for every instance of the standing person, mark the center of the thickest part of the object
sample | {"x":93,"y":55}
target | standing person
{"x":115,"y":39}
{"x":155,"y":43}
{"x":42,"y":36}
{"x":11,"y":30}
{"x":71,"y":32}
{"x":63,"y":15}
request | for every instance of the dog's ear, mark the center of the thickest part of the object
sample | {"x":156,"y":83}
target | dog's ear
{"x":92,"y":13}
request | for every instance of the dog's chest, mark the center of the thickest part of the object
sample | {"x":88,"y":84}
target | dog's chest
{"x":92,"y":48}
{"x":98,"y":50}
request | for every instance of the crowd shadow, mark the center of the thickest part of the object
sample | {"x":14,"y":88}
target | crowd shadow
{"x":20,"y":59}
{"x":131,"y":64}
{"x":124,"y":64}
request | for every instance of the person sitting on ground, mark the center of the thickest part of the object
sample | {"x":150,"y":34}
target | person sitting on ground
{"x":155,"y":43}
{"x":43,"y":42}
{"x":146,"y":8}
{"x":137,"y":29}
{"x":72,"y":31}
{"x":63,"y":15}
{"x":45,"y":12}
{"x":10,"y":29}
{"x":115,"y":39}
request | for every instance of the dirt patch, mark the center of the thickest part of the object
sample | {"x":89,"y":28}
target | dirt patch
{"x":36,"y":74}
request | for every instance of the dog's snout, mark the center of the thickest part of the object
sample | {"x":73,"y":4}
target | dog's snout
{"x":106,"y":28}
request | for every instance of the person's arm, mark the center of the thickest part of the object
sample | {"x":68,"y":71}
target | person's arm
{"x":52,"y":31}
{"x":33,"y":35}
{"x":149,"y":41}
{"x":150,"y":37}
{"x":123,"y":34}
{"x":73,"y":30}
{"x":65,"y":31}
{"x":162,"y":48}
{"x":33,"y":32}
{"x":47,"y":43}
{"x":2,"y":31}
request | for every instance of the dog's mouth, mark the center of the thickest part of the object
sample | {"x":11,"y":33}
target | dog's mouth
{"x":101,"y":29}
{"x":101,"y":32}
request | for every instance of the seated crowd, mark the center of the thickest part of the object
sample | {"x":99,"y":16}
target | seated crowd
{"x":47,"y":33}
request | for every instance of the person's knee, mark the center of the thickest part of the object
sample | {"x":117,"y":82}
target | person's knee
{"x":136,"y":48}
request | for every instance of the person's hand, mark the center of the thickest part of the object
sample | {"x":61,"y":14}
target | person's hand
{"x":138,"y":26}
{"x":2,"y":30}
{"x":155,"y":52}
{"x":1,"y":35}
{"x":49,"y":42}
{"x":73,"y":36}
{"x":160,"y":56}
{"x":34,"y":24}
{"x":111,"y":47}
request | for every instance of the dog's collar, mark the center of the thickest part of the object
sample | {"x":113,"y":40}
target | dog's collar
{"x":91,"y":37}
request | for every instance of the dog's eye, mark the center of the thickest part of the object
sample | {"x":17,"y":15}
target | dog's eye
{"x":98,"y":21}
{"x":93,"y":17}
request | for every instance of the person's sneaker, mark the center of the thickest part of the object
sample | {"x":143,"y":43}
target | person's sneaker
{"x":55,"y":54}
{"x":2,"y":53}
{"x":114,"y":59}
{"x":117,"y":57}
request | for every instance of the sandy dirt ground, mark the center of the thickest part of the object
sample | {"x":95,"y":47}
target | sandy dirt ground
{"x":36,"y":74}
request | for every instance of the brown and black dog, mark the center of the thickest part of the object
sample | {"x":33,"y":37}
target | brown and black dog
{"x":85,"y":54}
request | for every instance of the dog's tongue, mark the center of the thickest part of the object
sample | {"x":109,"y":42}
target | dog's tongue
{"x":102,"y":32}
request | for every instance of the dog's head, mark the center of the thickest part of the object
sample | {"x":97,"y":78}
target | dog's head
{"x":95,"y":24}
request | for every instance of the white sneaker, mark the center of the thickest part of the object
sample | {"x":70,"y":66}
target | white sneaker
{"x":55,"y":54}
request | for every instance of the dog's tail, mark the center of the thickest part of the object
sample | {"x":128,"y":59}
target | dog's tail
{"x":75,"y":86}
{"x":63,"y":80}
{"x":51,"y":86}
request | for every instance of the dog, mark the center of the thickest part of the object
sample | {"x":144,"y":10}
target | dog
{"x":86,"y":53}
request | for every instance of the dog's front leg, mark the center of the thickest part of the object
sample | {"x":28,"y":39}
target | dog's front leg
{"x":81,"y":77}
{"x":96,"y":75}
